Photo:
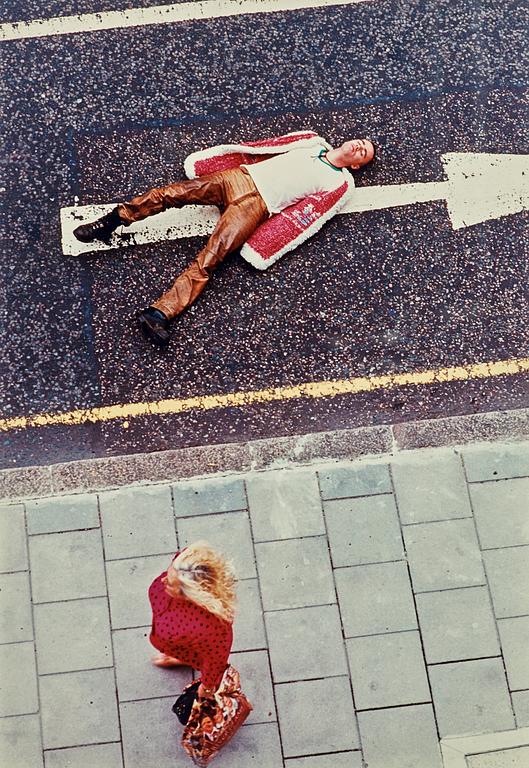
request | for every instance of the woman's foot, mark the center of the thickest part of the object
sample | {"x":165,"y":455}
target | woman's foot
{"x":163,"y":660}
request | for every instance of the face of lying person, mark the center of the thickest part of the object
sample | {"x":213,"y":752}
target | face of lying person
{"x":357,"y":152}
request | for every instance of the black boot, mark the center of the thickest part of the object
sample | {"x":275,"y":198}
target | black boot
{"x":101,"y":229}
{"x":154,"y":325}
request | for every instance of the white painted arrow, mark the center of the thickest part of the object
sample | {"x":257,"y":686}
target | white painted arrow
{"x":190,"y":221}
{"x":478,"y":187}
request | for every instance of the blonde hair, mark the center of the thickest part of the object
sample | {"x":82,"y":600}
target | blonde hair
{"x":206,"y":578}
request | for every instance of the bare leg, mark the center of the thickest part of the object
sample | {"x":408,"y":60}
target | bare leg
{"x":163,"y":660}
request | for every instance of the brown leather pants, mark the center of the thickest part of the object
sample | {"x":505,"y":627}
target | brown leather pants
{"x":243,"y":211}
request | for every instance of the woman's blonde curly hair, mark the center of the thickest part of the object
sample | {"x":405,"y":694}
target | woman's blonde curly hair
{"x":206,"y":578}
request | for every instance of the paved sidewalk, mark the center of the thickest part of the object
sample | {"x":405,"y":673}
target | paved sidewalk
{"x":384,"y":605}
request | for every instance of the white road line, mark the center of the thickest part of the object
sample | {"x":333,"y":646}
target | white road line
{"x":158,"y":14}
{"x":479,"y":187}
{"x":190,"y":221}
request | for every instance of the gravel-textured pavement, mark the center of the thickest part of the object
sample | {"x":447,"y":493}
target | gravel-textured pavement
{"x":103,"y":115}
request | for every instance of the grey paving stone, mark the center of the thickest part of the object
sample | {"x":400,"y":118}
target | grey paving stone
{"x":93,"y":756}
{"x":431,"y":487}
{"x":252,"y":745}
{"x":66,"y":566}
{"x":335,"y":760}
{"x":364,"y":530}
{"x":229,"y":532}
{"x":497,"y":461}
{"x":501,"y":510}
{"x":203,"y":497}
{"x":409,"y":737}
{"x":457,"y":624}
{"x":443,"y":555}
{"x":508,"y":575}
{"x":248,"y":627}
{"x":15,"y":608}
{"x":73,"y":635}
{"x":375,"y":599}
{"x":514,"y":635}
{"x":504,"y":758}
{"x":150,"y":734}
{"x":254,"y":669}
{"x":63,"y":513}
{"x":20,"y":744}
{"x":355,"y":480}
{"x":137,"y":677}
{"x":295,"y":573}
{"x":137,"y":521}
{"x":285,"y":505}
{"x":374,"y":662}
{"x":311,"y":722}
{"x":78,"y":708}
{"x":306,"y":643}
{"x":128,"y":585}
{"x":18,"y":689}
{"x":13,"y":552}
{"x":471,"y":697}
{"x":149,"y":731}
{"x":520,"y":702}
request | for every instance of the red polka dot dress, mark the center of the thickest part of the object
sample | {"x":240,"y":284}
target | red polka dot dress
{"x":185,"y":630}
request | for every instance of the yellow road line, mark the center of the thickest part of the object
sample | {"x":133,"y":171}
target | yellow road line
{"x":310,"y":390}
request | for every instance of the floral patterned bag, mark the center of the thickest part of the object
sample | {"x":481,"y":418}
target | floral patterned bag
{"x":213,"y":722}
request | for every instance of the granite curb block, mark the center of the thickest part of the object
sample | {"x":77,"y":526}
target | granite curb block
{"x":273,"y":453}
{"x":458,"y":430}
{"x":117,"y":471}
{"x":25,"y":482}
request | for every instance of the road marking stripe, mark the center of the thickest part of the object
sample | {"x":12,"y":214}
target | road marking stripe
{"x":159,"y":14}
{"x":480,"y":186}
{"x":196,"y":220}
{"x":174,"y":223}
{"x":308,"y":390}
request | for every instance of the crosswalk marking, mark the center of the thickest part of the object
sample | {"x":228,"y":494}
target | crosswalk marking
{"x":159,"y":14}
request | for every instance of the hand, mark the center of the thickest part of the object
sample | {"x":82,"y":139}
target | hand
{"x":205,"y":693}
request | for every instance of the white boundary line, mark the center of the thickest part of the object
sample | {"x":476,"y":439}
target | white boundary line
{"x":158,"y":14}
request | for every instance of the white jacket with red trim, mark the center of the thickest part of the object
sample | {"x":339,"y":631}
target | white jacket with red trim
{"x":283,"y":231}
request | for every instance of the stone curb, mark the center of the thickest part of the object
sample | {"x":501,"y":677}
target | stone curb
{"x":116,"y":471}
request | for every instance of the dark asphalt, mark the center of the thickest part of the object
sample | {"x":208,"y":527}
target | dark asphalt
{"x":108,"y":114}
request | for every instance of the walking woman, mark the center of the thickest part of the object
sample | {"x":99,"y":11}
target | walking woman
{"x":193,"y":606}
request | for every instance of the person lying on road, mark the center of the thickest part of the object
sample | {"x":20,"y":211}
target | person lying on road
{"x":273,"y":195}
